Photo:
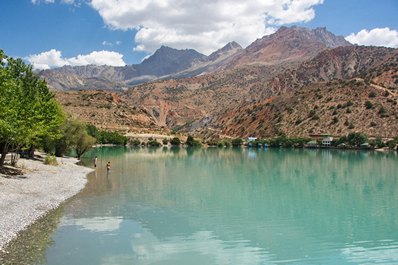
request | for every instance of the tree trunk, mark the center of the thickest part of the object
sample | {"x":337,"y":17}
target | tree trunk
{"x":31,"y":152}
{"x":4,"y":151}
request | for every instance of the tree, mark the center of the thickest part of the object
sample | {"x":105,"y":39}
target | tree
{"x":356,"y":139}
{"x":237,"y":142}
{"x":175,"y":141}
{"x":192,"y":142}
{"x":74,"y":136}
{"x":28,"y":110}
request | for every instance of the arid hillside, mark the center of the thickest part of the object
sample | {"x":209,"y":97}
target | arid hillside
{"x":286,"y":83}
{"x":106,"y":111}
{"x":336,"y":107}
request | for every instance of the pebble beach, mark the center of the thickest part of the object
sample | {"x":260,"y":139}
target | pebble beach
{"x":42,"y":188}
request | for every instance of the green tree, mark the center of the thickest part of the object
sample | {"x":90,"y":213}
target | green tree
{"x":237,"y":142}
{"x":28,"y":110}
{"x":175,"y":141}
{"x":192,"y":142}
{"x":356,"y":139}
{"x":74,"y":136}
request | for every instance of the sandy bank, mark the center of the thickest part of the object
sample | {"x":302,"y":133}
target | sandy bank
{"x":41,"y":189}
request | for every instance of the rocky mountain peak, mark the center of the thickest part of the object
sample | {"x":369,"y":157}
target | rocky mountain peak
{"x":320,"y":35}
{"x":168,"y":60}
{"x":229,"y":49}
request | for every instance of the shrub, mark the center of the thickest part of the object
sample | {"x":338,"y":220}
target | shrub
{"x":175,"y":141}
{"x":372,"y":94}
{"x":382,"y":110}
{"x":356,"y":139}
{"x":192,"y":142}
{"x":165,"y":141}
{"x":153,"y":143}
{"x":368,"y":104}
{"x":135,"y":142}
{"x":51,"y":160}
{"x":335,"y":120}
{"x":237,"y":142}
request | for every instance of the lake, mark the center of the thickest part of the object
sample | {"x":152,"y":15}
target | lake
{"x":225,"y":206}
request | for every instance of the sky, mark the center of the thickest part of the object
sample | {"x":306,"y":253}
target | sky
{"x":53,"y":33}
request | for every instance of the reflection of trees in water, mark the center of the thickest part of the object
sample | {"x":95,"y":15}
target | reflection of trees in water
{"x":31,"y":245}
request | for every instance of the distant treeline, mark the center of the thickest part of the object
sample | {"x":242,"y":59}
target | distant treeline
{"x":106,"y":137}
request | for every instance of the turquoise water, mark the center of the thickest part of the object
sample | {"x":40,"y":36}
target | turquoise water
{"x":216,"y":206}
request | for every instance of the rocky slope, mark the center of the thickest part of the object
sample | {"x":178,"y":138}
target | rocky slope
{"x":106,"y":110}
{"x":336,"y":107}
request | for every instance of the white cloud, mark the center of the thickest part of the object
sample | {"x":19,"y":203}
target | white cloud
{"x":203,"y":25}
{"x":53,"y":58}
{"x":376,"y":37}
{"x":47,"y":60}
{"x":68,"y":2}
{"x":98,"y":58}
{"x":108,"y":43}
{"x":43,"y":1}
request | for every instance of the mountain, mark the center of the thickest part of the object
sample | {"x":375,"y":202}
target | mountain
{"x":336,"y":107}
{"x":164,"y":61}
{"x":194,"y":102}
{"x":287,"y":45}
{"x":106,"y":110}
{"x":215,"y":61}
{"x":374,"y":64}
{"x":296,"y":81}
{"x":167,"y":61}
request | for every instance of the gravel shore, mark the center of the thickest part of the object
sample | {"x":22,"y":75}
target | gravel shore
{"x":24,"y":199}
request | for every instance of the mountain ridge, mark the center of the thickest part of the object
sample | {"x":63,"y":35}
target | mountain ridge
{"x":287,"y":45}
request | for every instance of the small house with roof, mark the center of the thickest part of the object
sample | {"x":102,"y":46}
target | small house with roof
{"x":327,"y":141}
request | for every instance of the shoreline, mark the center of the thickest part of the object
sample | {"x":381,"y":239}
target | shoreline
{"x":24,"y":199}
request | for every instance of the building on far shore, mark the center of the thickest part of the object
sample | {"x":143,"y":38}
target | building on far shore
{"x":251,"y":139}
{"x":327,"y":141}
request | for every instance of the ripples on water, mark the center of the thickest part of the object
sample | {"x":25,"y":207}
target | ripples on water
{"x":212,"y":206}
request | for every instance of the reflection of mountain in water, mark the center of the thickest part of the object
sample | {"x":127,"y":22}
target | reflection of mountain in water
{"x":281,"y":195}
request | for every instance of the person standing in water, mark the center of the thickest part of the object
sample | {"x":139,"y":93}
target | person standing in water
{"x":95,"y":161}
{"x":108,"y":166}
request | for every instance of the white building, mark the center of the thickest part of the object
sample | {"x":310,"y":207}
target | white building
{"x":327,"y":141}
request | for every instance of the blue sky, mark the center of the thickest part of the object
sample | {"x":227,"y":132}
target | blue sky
{"x":51,"y":33}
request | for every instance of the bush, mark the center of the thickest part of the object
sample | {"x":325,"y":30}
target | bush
{"x":192,"y":142}
{"x":368,"y":104}
{"x":50,"y":160}
{"x":175,"y":141}
{"x":165,"y":141}
{"x":372,"y":94}
{"x":135,"y":142}
{"x":237,"y":142}
{"x":382,"y":110}
{"x":153,"y":143}
{"x":356,"y":139}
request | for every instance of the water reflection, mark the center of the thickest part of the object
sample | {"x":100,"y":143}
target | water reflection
{"x":211,"y":206}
